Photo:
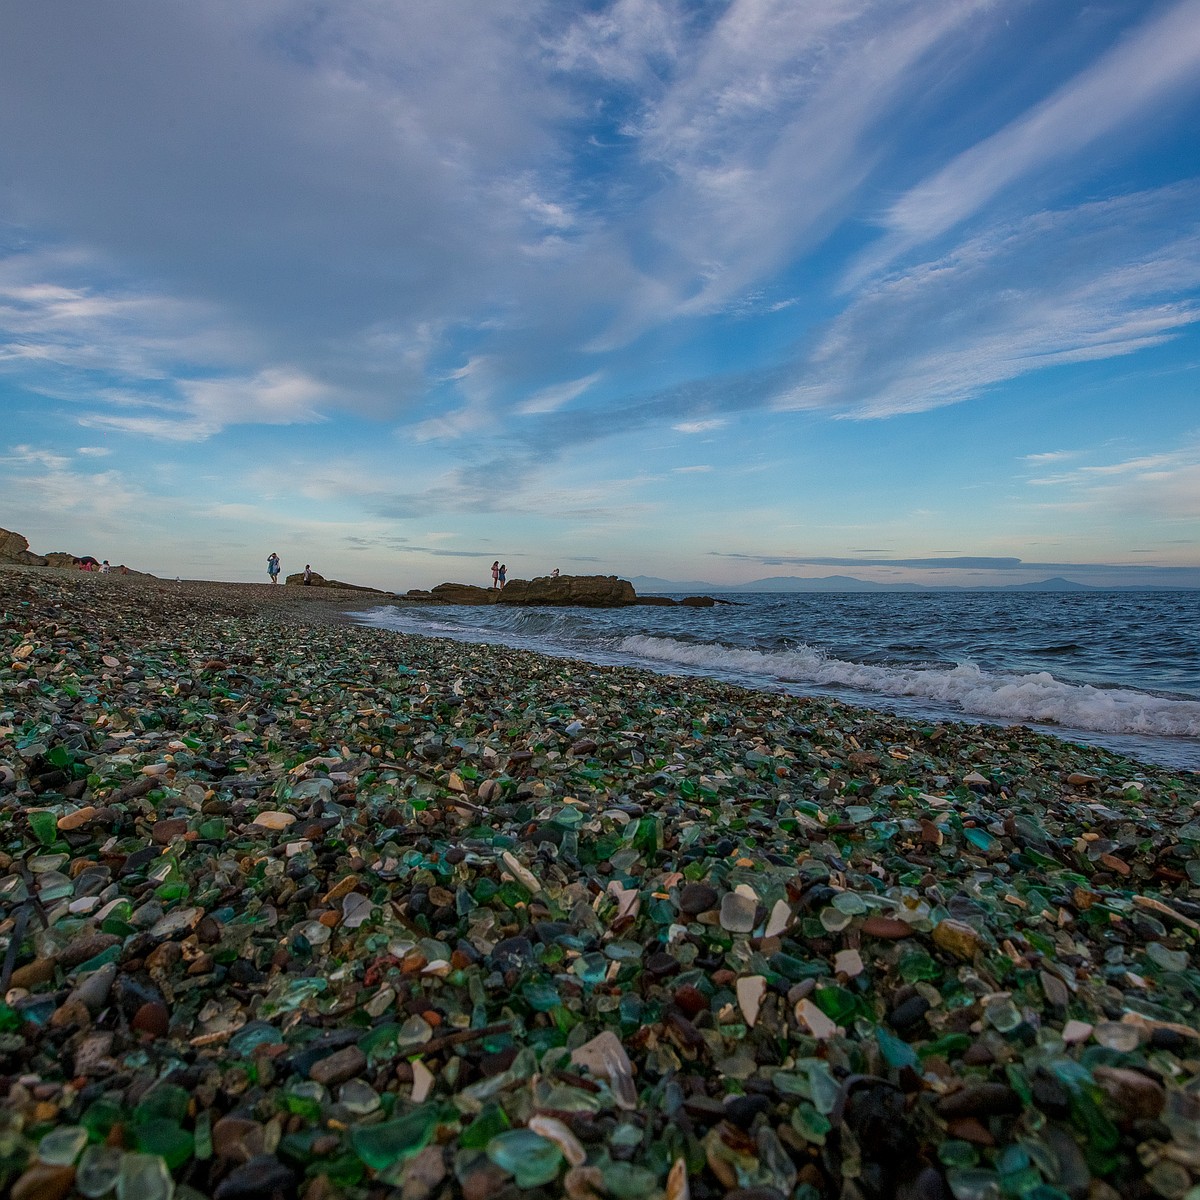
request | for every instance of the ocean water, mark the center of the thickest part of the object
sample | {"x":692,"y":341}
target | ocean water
{"x":1117,"y":669}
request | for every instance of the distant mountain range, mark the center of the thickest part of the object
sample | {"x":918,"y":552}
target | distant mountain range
{"x":649,"y":585}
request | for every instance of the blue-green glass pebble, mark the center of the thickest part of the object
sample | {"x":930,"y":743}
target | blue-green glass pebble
{"x":531,"y":1159}
{"x":62,"y":1146}
{"x":252,"y":1035}
{"x":542,"y":997}
{"x":97,"y":1172}
{"x":973,"y":1183}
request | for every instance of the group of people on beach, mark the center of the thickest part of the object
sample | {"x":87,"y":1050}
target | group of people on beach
{"x":273,"y":569}
{"x":499,"y":574}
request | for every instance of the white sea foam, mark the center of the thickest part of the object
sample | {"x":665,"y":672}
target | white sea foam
{"x":1038,"y":697}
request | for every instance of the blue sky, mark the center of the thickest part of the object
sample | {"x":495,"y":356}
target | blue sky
{"x":903,"y":290}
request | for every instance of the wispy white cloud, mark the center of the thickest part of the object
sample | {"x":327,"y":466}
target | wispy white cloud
{"x":1049,"y":456}
{"x":707,"y":425}
{"x":1134,"y":80}
{"x":1159,"y":487}
{"x":698,"y":469}
{"x":1096,"y":281}
{"x":553,"y":398}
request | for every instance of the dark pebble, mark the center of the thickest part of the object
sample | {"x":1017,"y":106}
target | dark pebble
{"x":741,"y":1110}
{"x":907,"y":1016}
{"x":980,"y":1100}
{"x":262,"y":1178}
{"x":695,"y":898}
{"x":661,"y":965}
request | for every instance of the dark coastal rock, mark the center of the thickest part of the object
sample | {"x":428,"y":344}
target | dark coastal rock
{"x":15,"y":549}
{"x":586,"y":591}
{"x":582,"y":591}
{"x":320,"y":581}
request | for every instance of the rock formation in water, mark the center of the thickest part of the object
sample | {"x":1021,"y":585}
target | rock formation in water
{"x":580,"y":591}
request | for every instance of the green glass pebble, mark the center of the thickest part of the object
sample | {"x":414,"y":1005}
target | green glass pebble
{"x":99,"y":1118}
{"x":626,"y":1180}
{"x":490,"y":1122}
{"x":531,"y":1159}
{"x":167,"y":1139}
{"x":381,"y":1146}
{"x":202,"y":1134}
{"x":917,"y":965}
{"x":45,"y":826}
{"x":836,"y":1003}
{"x":166,"y":1101}
{"x":955,"y":1153}
{"x":811,"y":1125}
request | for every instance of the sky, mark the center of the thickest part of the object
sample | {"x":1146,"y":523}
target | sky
{"x":907,"y":290}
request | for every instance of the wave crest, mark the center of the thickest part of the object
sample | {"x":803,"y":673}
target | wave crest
{"x":1036,"y":697}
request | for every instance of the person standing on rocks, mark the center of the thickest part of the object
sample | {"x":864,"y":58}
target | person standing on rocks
{"x":496,"y":574}
{"x":308,"y":574}
{"x":273,"y":566}
{"x":503,"y":573}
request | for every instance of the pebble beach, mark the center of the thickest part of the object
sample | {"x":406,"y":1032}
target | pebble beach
{"x":293,"y":907}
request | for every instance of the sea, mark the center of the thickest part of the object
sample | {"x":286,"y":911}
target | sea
{"x":1114,"y":669}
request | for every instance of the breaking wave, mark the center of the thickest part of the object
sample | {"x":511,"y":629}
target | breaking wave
{"x":1037,"y":697}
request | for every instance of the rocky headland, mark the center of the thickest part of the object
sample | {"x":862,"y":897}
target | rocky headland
{"x":14,"y":551}
{"x":583,"y":591}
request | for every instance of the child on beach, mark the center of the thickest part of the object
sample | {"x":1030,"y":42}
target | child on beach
{"x":273,"y":566}
{"x":503,"y":572}
{"x":496,"y":573}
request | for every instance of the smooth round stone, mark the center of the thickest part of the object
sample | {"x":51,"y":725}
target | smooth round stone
{"x":1167,"y":959}
{"x":238,"y":1139}
{"x":43,"y":1182}
{"x":695,"y":898}
{"x":97,"y":1172}
{"x":152,"y":1018}
{"x":315,"y":933}
{"x":272,"y":819}
{"x":359,"y":1098}
{"x":737,"y":912}
{"x":261,"y":1176}
{"x":532,"y":1159}
{"x":62,"y":1146}
{"x":338,"y":1067}
{"x":144,"y":1177}
{"x":1116,"y":1035}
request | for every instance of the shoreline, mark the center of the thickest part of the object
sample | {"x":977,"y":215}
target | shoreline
{"x":420,"y":884}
